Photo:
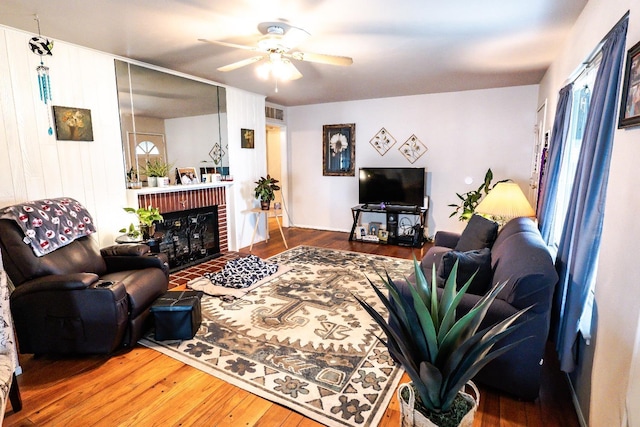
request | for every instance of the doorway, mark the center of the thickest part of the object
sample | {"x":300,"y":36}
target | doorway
{"x":277,"y":168}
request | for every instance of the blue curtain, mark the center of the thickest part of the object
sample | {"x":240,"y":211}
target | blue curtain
{"x":580,"y":242}
{"x":547,"y":203}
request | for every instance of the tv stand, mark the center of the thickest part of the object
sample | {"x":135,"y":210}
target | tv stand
{"x":395,"y":235}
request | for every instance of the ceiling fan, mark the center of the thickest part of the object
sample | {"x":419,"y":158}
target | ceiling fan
{"x":275,"y":45}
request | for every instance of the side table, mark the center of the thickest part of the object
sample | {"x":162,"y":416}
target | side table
{"x":153,"y":242}
{"x":270,"y":213}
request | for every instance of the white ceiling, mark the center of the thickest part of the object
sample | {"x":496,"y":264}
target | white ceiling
{"x":401,"y":47}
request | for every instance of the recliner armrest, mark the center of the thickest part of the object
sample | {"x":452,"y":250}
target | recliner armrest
{"x":62,"y":282}
{"x":448,"y":239}
{"x":125,"y":250}
{"x":128,"y":262}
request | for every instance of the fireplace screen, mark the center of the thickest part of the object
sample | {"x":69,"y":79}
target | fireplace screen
{"x":190,"y":237}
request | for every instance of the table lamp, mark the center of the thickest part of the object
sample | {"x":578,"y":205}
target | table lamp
{"x":504,"y":202}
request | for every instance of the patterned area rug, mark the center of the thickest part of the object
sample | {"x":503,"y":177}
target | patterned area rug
{"x":301,"y":339}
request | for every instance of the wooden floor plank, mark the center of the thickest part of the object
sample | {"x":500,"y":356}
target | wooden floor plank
{"x":145,"y":387}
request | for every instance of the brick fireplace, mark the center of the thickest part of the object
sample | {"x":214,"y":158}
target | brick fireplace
{"x":184,"y":209}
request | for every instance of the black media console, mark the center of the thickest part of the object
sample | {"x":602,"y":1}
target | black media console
{"x":399,"y":230}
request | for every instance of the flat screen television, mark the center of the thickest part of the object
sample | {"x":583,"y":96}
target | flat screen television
{"x":392,"y":186}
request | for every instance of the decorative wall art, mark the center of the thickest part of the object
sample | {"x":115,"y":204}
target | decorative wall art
{"x":630,"y":100}
{"x":413,"y":149}
{"x":73,"y":124}
{"x":43,"y":46}
{"x":247,"y":138}
{"x":188,"y":176}
{"x":216,"y":153}
{"x":382,"y":141}
{"x":339,"y":150}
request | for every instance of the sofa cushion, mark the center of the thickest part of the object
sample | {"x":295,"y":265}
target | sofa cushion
{"x":523,"y":261}
{"x":516,"y":225}
{"x":468,"y":263}
{"x":480,"y":233}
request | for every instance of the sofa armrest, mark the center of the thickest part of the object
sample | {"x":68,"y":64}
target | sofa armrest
{"x":448,"y":239}
{"x":62,"y":282}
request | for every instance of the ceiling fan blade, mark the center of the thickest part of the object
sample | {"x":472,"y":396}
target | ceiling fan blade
{"x":293,"y":37}
{"x":242,"y":63}
{"x":294,"y":73}
{"x":236,"y":46}
{"x":320,"y":58}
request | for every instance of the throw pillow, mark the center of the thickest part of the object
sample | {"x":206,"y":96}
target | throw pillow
{"x":468,"y":263}
{"x":479,"y":233}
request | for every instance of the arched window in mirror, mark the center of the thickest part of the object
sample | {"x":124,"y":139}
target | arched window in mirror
{"x":146,"y":148}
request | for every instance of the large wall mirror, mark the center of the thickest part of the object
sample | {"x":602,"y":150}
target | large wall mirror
{"x":170,"y":119}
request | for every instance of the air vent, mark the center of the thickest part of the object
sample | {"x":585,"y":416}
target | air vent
{"x":274,"y":113}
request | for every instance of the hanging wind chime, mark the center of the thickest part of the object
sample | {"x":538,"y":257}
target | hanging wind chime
{"x":43,"y":46}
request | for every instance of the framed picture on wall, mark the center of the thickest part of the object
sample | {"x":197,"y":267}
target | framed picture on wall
{"x":247,"y":138}
{"x":630,"y":100}
{"x":73,"y":124}
{"x":339,"y":150}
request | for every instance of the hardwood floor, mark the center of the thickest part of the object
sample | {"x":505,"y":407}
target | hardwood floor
{"x":142,"y":387}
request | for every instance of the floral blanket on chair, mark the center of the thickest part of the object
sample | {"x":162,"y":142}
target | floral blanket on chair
{"x":50,"y":224}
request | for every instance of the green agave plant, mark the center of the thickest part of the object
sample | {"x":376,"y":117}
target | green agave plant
{"x":439,"y":353}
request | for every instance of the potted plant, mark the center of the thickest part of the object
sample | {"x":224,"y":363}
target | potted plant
{"x":157,"y":172}
{"x":146,"y":219}
{"x":265,"y":191}
{"x":132,"y":179}
{"x":471,"y":199}
{"x":441,"y":354}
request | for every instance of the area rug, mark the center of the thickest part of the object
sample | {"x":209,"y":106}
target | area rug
{"x":301,"y":339}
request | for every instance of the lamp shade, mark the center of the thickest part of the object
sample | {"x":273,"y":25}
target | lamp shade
{"x":506,"y":200}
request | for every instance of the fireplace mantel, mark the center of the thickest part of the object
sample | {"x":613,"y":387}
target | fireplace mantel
{"x":173,"y":188}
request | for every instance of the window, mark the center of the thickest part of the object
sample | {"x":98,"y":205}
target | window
{"x":579,"y":109}
{"x":147,"y":147}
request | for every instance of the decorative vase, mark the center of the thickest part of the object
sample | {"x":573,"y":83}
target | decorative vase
{"x":411,"y":417}
{"x":152,"y":181}
{"x":265,"y":205}
{"x":147,"y":231}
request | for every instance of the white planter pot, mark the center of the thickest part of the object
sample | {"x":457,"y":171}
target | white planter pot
{"x":411,"y":417}
{"x":152,"y":181}
{"x":163,"y":181}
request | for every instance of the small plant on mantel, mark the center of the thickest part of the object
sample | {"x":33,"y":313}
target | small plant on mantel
{"x":157,"y":168}
{"x":146,"y":220}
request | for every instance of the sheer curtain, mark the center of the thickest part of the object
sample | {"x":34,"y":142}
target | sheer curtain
{"x":578,"y":251}
{"x":546,"y":206}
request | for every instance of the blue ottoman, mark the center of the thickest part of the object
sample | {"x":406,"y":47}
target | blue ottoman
{"x":177,"y":315}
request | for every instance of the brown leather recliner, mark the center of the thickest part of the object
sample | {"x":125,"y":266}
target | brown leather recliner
{"x":78,"y":299}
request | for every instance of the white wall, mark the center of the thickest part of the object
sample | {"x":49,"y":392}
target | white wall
{"x":246,"y":111}
{"x":617,"y":290}
{"x":35,"y":165}
{"x":189,"y":140}
{"x":465,"y":133}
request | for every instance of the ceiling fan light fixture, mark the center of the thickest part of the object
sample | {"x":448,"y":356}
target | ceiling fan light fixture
{"x":264,"y":70}
{"x":281,"y":70}
{"x":277,"y":67}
